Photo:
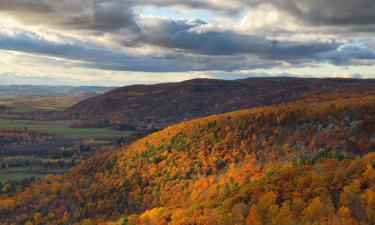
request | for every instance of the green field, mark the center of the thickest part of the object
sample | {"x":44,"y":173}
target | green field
{"x":62,"y":128}
{"x":24,"y":108}
{"x":19,"y":176}
{"x":27,"y":108}
{"x":49,"y":108}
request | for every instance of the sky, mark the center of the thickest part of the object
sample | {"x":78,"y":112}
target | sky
{"x":123,"y":42}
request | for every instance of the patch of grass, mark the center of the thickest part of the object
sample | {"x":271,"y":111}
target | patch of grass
{"x":62,"y":128}
{"x":48,"y":108}
{"x":24,"y":108}
{"x":18,"y":176}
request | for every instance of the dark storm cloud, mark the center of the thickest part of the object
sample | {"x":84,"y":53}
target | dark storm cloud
{"x":111,"y":15}
{"x":31,"y":43}
{"x":105,"y":17}
{"x":347,"y":53}
{"x":327,"y":12}
{"x":186,"y":36}
{"x":181,"y":35}
{"x":114,"y":14}
{"x":94,"y":15}
{"x":189,"y":43}
{"x":103,"y":58}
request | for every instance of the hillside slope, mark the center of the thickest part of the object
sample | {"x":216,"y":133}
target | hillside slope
{"x":297,"y":163}
{"x":160,"y":105}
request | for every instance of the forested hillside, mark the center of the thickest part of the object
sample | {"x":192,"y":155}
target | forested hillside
{"x":145,"y":107}
{"x":296,"y":163}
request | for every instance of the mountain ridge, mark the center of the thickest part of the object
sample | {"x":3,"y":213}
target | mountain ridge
{"x":146,"y":107}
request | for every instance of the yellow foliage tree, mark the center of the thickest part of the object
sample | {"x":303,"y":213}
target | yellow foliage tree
{"x":264,"y":210}
{"x":314,"y":212}
{"x":37,"y":218}
{"x":369,"y":175}
{"x":284,"y":216}
{"x":369,"y":202}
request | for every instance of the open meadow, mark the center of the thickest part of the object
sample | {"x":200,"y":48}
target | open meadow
{"x":62,"y":129}
{"x":5,"y":176}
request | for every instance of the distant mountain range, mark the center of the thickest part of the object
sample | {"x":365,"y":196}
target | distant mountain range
{"x":31,"y":102}
{"x":52,"y":90}
{"x":156,"y":106}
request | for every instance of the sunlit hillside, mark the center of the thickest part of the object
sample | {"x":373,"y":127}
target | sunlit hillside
{"x":294,"y":163}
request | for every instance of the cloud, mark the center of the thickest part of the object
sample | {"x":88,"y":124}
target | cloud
{"x":191,"y":36}
{"x":92,"y":15}
{"x":347,"y":53}
{"x":88,"y":55}
{"x":193,"y":49}
{"x":331,"y":12}
{"x":115,"y":14}
{"x":113,"y":34}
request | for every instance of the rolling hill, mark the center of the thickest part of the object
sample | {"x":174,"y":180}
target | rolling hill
{"x":21,"y":102}
{"x":39,"y":97}
{"x":146,"y":107}
{"x":306,"y":162}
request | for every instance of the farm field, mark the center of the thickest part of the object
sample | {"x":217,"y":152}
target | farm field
{"x":5,"y":176}
{"x":55,"y":148}
{"x":62,"y":129}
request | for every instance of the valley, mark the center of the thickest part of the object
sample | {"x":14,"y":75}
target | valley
{"x":33,"y":144}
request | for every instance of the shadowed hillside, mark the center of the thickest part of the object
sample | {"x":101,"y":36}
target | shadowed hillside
{"x":297,"y":163}
{"x":156,"y":106}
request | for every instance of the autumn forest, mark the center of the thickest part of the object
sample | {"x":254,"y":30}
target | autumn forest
{"x":305,"y":162}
